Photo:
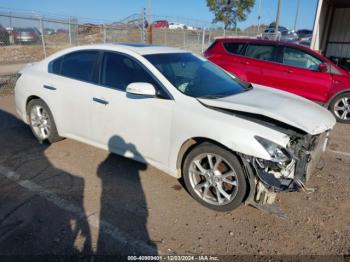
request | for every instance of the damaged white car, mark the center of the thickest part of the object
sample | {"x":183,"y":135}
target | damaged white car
{"x":230,"y":141}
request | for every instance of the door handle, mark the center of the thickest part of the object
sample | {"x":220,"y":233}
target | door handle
{"x":50,"y":87}
{"x":289,"y":71}
{"x":99,"y":100}
{"x":245,"y":63}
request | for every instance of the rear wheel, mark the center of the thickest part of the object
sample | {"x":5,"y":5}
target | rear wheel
{"x":214,"y":177}
{"x":41,"y":122}
{"x":340,"y":107}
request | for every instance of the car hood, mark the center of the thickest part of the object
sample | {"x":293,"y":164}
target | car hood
{"x":278,"y":105}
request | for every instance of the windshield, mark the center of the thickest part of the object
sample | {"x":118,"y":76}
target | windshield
{"x":195,"y":76}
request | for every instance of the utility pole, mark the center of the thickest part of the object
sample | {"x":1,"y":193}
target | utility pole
{"x":42,"y":35}
{"x":278,"y":18}
{"x":143,"y":32}
{"x":149,"y":11}
{"x":296,"y":15}
{"x":149,"y":18}
{"x":10,"y":18}
{"x":259,"y":15}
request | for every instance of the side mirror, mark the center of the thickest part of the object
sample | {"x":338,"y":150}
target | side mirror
{"x":323,"y":67}
{"x":141,"y":88}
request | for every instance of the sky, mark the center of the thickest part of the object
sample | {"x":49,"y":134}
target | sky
{"x":115,"y":10}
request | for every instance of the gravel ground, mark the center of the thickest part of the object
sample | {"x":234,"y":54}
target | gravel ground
{"x":71,"y":198}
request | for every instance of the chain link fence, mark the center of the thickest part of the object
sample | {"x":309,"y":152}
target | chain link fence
{"x":7,"y":83}
{"x":28,"y":37}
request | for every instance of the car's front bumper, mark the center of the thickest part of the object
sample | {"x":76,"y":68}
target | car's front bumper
{"x":316,"y":154}
{"x":292,"y":175}
{"x":308,"y":158}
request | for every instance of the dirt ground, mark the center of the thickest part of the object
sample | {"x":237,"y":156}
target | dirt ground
{"x":71,"y":198}
{"x":25,"y":53}
{"x":14,"y":54}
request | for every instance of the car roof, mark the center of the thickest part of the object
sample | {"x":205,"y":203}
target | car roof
{"x":276,"y":42}
{"x":138,"y":48}
{"x":261,"y":41}
{"x":146,"y":49}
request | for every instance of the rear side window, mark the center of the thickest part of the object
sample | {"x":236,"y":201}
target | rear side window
{"x":79,"y":65}
{"x":261,"y":52}
{"x":233,"y":48}
{"x":55,"y":66}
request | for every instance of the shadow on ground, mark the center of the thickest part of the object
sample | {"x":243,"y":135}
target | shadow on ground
{"x":42,"y":208}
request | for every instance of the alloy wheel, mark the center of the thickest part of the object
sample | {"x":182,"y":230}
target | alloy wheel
{"x":342,"y":108}
{"x":213,"y":179}
{"x":40,"y":122}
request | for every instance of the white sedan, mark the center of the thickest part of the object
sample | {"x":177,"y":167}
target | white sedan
{"x":230,"y":141}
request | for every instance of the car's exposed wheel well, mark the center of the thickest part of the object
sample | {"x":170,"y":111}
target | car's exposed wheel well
{"x":189,"y":144}
{"x":335,"y":96}
{"x":30,"y":98}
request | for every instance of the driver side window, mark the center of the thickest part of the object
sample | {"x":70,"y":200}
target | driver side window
{"x":118,"y":71}
{"x":299,"y":58}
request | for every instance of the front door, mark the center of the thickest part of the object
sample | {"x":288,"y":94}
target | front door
{"x":298,"y":73}
{"x":131,"y":125}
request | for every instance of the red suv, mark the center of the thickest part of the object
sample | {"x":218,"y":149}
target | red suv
{"x":286,"y":66}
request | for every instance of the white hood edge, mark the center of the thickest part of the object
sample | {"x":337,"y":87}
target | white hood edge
{"x":279,"y":105}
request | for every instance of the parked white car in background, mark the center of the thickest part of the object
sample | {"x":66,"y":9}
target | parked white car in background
{"x":176,"y":26}
{"x":230,"y":141}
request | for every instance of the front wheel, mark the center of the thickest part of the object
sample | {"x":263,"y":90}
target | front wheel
{"x":214,"y":177}
{"x":340,"y":107}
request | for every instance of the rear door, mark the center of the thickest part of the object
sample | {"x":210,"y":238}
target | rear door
{"x":231,"y":60}
{"x":72,"y":79}
{"x":257,"y":57}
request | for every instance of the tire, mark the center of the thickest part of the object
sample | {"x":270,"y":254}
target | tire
{"x":45,"y":122}
{"x":340,"y":107}
{"x":204,"y":180}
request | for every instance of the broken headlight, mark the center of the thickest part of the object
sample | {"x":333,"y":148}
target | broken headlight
{"x":277,"y":153}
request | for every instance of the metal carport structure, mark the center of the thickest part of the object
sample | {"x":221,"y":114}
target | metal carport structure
{"x":332,"y":28}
